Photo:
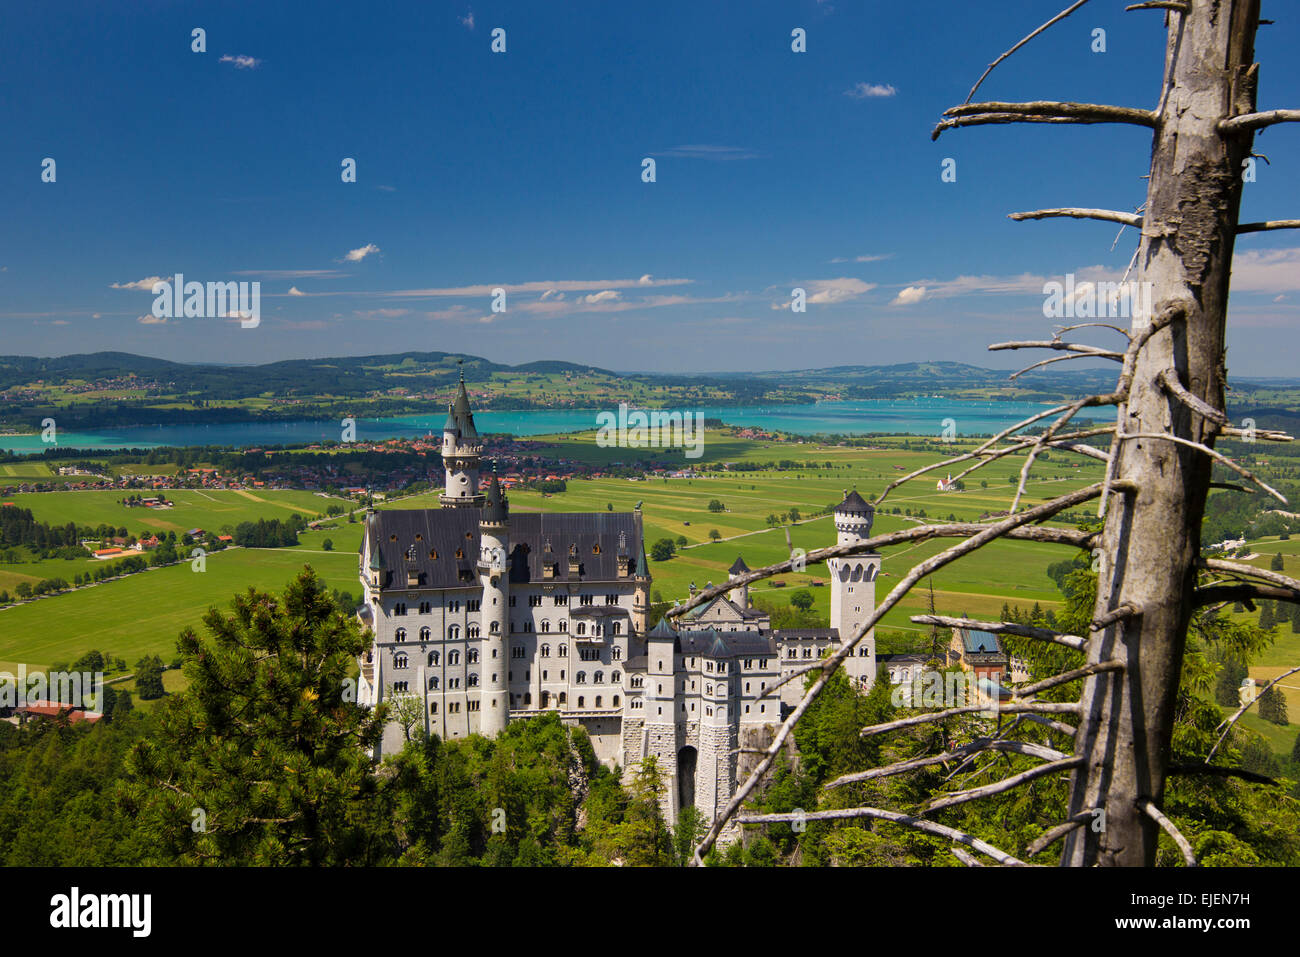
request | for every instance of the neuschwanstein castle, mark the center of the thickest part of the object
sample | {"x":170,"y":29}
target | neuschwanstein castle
{"x":487,"y":616}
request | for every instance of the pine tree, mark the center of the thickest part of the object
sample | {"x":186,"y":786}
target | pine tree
{"x":262,"y":760}
{"x":1272,"y":706}
{"x":1266,"y":615}
{"x":1277,"y":564}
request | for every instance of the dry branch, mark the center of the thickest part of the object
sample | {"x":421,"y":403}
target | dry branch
{"x":1268,"y":225}
{"x":1250,"y":122}
{"x":1217,"y":456}
{"x":1041,"y":111}
{"x":1228,"y":725}
{"x":1060,"y":16}
{"x":1167,"y":826}
{"x":929,"y":827}
{"x":1006,"y":784}
{"x":1015,"y":707}
{"x":1169,"y":379}
{"x":1004,"y":628}
{"x":1104,"y":215}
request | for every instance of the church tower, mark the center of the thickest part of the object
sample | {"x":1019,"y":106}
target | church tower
{"x":853,"y":584}
{"x":494,"y":576}
{"x":461,"y":448}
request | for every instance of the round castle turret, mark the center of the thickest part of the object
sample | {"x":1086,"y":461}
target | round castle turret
{"x":461,"y":448}
{"x":494,"y":576}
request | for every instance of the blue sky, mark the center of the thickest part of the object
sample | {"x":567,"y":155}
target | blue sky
{"x":522,"y":170}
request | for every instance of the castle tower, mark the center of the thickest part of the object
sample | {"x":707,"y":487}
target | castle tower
{"x":739,"y":596}
{"x":461,"y":448}
{"x":494,"y":576}
{"x":853,"y":585}
{"x":641,"y":575}
{"x":659,"y":732}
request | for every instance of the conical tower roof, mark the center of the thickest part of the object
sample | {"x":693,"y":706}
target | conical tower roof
{"x":497,"y":508}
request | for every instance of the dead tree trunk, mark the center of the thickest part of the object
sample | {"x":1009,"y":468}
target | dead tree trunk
{"x":1151,"y":540}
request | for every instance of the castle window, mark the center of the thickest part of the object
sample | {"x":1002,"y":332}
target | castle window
{"x":597,"y":701}
{"x":453,"y":605}
{"x":425,"y":608}
{"x":611,"y":599}
{"x":433,"y":684}
{"x":564,"y":625}
{"x":586,"y":599}
{"x":453,"y":633}
{"x":472,"y":631}
{"x":614,"y":677}
{"x":400,"y":661}
{"x":454,"y":707}
{"x":517,"y":651}
{"x":546,"y":625}
{"x":638,"y":681}
{"x":425,"y":633}
{"x":399,"y":608}
{"x":512,"y":601}
{"x":794,"y":653}
{"x":546,"y":651}
{"x":495,"y":627}
{"x":599,"y":678}
{"x":582,"y":627}
{"x":433,"y":659}
{"x":474,"y":604}
{"x":528,"y":698}
{"x":580,"y":678}
{"x":616,"y":652}
{"x":746,"y":709}
{"x":564,"y":651}
{"x":472,"y":656}
{"x":433,"y":554}
{"x":534,"y":601}
{"x":473,"y":705}
{"x":580,"y":701}
{"x":400,"y":686}
{"x":453,"y":657}
{"x":433,"y":707}
{"x":561,"y":600}
{"x":472,"y":681}
{"x":617,"y":628}
{"x":563,"y":698}
{"x":615,"y":701}
{"x":399,"y":635}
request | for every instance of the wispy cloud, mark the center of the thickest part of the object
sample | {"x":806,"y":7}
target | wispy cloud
{"x":241,"y":61}
{"x":708,"y":152}
{"x":826,"y":292}
{"x":862,"y":259}
{"x":467,"y":21}
{"x":1275,"y":271}
{"x":143,"y":285}
{"x":291,"y":273}
{"x":865,"y":91}
{"x":356,"y":255}
{"x":152,"y":320}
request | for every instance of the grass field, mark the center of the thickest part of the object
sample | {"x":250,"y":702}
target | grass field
{"x":143,"y":613}
{"x":194,"y":508}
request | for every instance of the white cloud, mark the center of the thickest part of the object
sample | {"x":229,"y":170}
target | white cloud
{"x":1275,"y":271}
{"x":291,"y":273}
{"x":356,"y":255}
{"x":605,"y":295}
{"x":468,"y":20}
{"x":295,"y":291}
{"x":380,"y":313}
{"x":863,"y":91}
{"x":908,"y":296}
{"x":152,"y":320}
{"x":645,"y":280}
{"x":144,"y":285}
{"x":241,"y":61}
{"x":862,"y":259}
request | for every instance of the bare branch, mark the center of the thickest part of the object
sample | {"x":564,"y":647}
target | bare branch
{"x":1048,"y":362}
{"x":1167,"y":825}
{"x":967,"y":858}
{"x":1060,"y":727}
{"x":1005,"y":628}
{"x":1268,"y":225}
{"x":1241,"y":591}
{"x":1217,"y":456}
{"x":1250,"y":571}
{"x":1228,"y":725}
{"x":1262,"y":435}
{"x":1065,"y":677}
{"x":1258,"y":121}
{"x":1056,"y":19}
{"x":1169,"y":379}
{"x":977,"y":746}
{"x":1178,"y":6}
{"x":1051,"y":836}
{"x":1042,"y":111}
{"x":929,"y":827}
{"x":1015,"y":707}
{"x":1006,"y":784}
{"x":1126,"y":610}
{"x":1104,"y":215}
{"x":1062,"y":330}
{"x":1059,"y":346}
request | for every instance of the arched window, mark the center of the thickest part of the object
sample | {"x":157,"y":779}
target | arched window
{"x":582,"y":627}
{"x":546,"y":651}
{"x":472,"y":681}
{"x":399,"y":661}
{"x":564,"y":625}
{"x":425,"y":634}
{"x":433,"y":659}
{"x":615,"y":701}
{"x":614,"y":677}
{"x":564,"y":698}
{"x":617,"y":628}
{"x":564,"y":651}
{"x":472,"y":631}
{"x":616,"y":652}
{"x":581,"y":701}
{"x":495,"y":627}
{"x":580,"y":678}
{"x":471,"y":657}
{"x":453,"y":633}
{"x":433,"y":684}
{"x":528,"y":697}
{"x":599,"y":678}
{"x":453,"y":657}
{"x":546,"y":625}
{"x":399,"y":635}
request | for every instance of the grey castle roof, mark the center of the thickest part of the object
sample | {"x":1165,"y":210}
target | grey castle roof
{"x":496,"y":509}
{"x":738,"y":567}
{"x":853,"y":502}
{"x":459,"y":418}
{"x":421,"y":533}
